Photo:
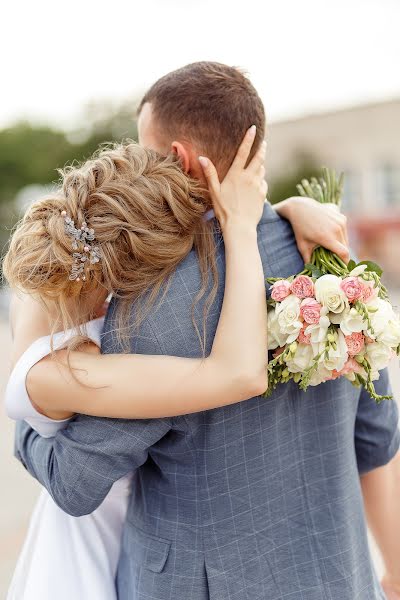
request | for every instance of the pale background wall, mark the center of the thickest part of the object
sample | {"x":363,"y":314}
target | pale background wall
{"x":363,"y":141}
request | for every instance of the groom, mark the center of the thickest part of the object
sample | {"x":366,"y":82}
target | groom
{"x":258,"y":500}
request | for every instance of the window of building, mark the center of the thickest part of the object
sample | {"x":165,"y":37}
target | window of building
{"x":351,"y":191}
{"x":388,"y":185}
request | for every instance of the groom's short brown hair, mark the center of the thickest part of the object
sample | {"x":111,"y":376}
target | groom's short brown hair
{"x":209,"y":103}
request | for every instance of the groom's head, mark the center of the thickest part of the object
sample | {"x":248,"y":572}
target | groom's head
{"x":203,"y":108}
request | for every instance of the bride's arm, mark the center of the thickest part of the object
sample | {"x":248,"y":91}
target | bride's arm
{"x":137,"y":386}
{"x":315,"y":224}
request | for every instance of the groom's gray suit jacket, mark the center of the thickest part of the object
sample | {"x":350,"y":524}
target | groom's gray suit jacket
{"x":260,"y":500}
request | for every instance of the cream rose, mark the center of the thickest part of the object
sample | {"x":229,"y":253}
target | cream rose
{"x":320,"y":375}
{"x":288,"y":313}
{"x":329,"y":293}
{"x":301,"y":360}
{"x":384,"y":321}
{"x":390,"y":336}
{"x":276,"y":339}
{"x":378,"y":356}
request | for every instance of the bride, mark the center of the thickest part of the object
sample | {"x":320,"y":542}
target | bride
{"x":120,"y":225}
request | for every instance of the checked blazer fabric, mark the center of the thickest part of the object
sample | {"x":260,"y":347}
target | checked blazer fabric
{"x":260,"y":500}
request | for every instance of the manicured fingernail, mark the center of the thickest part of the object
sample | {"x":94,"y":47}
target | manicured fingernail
{"x":203,"y":161}
{"x":252,"y":130}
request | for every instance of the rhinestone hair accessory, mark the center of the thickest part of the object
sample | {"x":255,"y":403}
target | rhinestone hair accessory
{"x":81,"y":239}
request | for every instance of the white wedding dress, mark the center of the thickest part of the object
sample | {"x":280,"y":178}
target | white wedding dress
{"x":64,"y":557}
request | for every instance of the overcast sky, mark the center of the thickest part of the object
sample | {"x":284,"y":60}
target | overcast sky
{"x":302,"y":55}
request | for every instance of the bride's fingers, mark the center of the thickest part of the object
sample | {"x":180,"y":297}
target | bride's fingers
{"x":211,"y":175}
{"x":343,"y":222}
{"x":264,"y":188}
{"x":258,"y":159}
{"x":306,"y":250}
{"x":341,"y":229}
{"x":240,"y":160}
{"x":340,"y":249}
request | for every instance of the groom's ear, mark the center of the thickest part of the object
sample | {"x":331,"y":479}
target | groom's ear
{"x":189,"y":159}
{"x":183,"y":154}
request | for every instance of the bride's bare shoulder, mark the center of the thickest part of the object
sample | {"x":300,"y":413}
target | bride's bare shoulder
{"x":28,"y":322}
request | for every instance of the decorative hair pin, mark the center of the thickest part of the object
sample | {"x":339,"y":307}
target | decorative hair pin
{"x":82,"y":237}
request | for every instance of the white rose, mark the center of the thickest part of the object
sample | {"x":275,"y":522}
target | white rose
{"x":276,"y":339}
{"x":320,"y":375}
{"x":329,"y":293}
{"x":390,"y":336}
{"x":350,"y":321}
{"x":378,"y":355}
{"x":301,"y":360}
{"x":382,"y":316}
{"x":336,"y":359}
{"x":318,"y":331}
{"x":288,"y":313}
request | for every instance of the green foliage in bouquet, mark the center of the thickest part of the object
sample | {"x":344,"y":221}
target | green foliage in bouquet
{"x":328,"y":189}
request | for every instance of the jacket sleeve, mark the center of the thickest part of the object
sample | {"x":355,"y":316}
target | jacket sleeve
{"x":79,"y":465}
{"x":376,"y":436}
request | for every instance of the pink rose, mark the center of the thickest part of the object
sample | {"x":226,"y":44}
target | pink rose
{"x":310,"y":310}
{"x":351,"y":366}
{"x":334,"y":375}
{"x":303,"y":337}
{"x":352,"y":287}
{"x":369,"y":291}
{"x":280,"y":290}
{"x":302,"y":286}
{"x":355,"y":343}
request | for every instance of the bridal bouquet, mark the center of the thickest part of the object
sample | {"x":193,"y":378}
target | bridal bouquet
{"x":332,"y":320}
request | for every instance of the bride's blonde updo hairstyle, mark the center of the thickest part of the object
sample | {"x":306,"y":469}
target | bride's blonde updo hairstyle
{"x":146,"y":214}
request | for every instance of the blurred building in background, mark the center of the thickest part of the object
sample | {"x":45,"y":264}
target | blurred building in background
{"x":364,"y":143}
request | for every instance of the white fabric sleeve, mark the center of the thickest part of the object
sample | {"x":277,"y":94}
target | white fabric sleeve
{"x":17,"y":401}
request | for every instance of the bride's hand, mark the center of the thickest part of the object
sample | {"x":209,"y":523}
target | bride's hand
{"x":240,"y":198}
{"x":315,"y":224}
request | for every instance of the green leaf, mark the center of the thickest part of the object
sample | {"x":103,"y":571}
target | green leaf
{"x":352,"y":265}
{"x":371,"y":266}
{"x":315,"y":272}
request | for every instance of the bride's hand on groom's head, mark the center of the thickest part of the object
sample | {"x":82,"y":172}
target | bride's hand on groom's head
{"x":315,"y":224}
{"x":240,"y":198}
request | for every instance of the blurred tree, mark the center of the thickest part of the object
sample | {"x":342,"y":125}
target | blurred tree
{"x":104,"y":122}
{"x":30,"y":154}
{"x":284,"y":185}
